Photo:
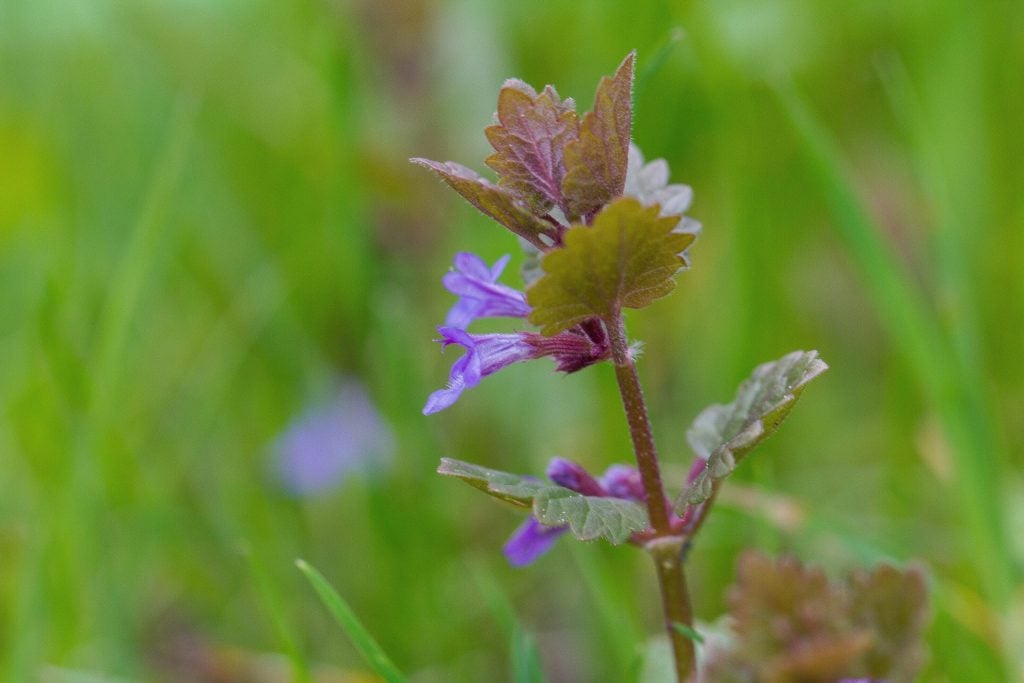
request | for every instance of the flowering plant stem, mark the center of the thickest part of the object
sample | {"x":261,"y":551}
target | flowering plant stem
{"x":666,"y":547}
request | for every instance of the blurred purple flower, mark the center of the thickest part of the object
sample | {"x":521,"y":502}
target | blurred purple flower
{"x":326,"y":443}
{"x":480,"y":295}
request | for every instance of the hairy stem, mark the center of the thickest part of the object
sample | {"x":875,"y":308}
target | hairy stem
{"x":702,"y":510}
{"x":665,"y":548}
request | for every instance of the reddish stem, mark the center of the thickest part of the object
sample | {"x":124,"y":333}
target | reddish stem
{"x":665,"y":548}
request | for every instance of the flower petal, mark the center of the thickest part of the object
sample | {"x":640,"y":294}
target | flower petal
{"x":531,"y":540}
{"x":463,"y":312}
{"x":480,"y":294}
{"x":499,"y":267}
{"x":472,"y":265}
{"x":623,"y":481}
{"x":572,"y":476}
{"x":485,"y":355}
{"x":443,"y":398}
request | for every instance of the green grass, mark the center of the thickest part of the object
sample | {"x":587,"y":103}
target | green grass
{"x":207,"y":219}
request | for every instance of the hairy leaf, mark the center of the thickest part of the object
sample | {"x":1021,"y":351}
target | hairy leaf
{"x":517,"y":489}
{"x":588,"y":517}
{"x":595,"y":162}
{"x":528,"y":141}
{"x":492,"y":200}
{"x":626,"y":259}
{"x":724,"y":434}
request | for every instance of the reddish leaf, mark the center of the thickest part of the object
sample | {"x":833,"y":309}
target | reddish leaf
{"x":788,"y":622}
{"x":894,"y":605}
{"x":490,"y":199}
{"x":595,"y":162}
{"x":791,"y":624}
{"x":528,"y":140}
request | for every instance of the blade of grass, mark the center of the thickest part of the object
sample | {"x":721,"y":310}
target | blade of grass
{"x":691,"y":633}
{"x":85,"y":511}
{"x":928,"y":351}
{"x":661,"y":53}
{"x":349,"y":622}
{"x":525,"y":659}
{"x":272,"y":602}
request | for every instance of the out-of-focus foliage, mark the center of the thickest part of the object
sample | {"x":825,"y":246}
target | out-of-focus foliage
{"x":208,"y":223}
{"x":789,"y":622}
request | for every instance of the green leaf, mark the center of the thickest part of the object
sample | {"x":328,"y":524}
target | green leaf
{"x":517,"y":489}
{"x":688,"y":631}
{"x":595,"y":162}
{"x":492,"y":200}
{"x":724,"y":434}
{"x":588,"y":517}
{"x":627,"y":258}
{"x":528,"y":141}
{"x":349,"y":622}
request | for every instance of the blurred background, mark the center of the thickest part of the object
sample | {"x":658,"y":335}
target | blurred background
{"x":219,"y":283}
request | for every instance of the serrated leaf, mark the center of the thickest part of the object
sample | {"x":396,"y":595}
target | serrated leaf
{"x":517,"y":489}
{"x":627,"y":258}
{"x":529,"y":140}
{"x":588,"y":517}
{"x":595,"y":162}
{"x":724,"y":434}
{"x":491,"y":200}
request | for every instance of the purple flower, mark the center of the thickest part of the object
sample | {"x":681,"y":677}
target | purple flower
{"x":531,"y":540}
{"x":572,"y":476}
{"x":326,"y":443}
{"x":479,"y":293}
{"x":488,"y":353}
{"x":623,"y":481}
{"x":485,"y":355}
